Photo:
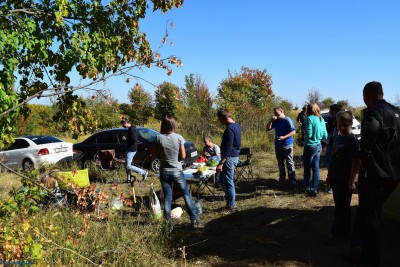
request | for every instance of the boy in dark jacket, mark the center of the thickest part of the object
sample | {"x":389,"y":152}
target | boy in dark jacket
{"x":342,"y":172}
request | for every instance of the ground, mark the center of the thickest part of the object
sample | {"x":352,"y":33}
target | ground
{"x":275,"y":226}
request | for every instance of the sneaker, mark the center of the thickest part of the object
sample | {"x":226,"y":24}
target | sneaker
{"x":196,"y":224}
{"x":311,"y":193}
{"x":230,"y":210}
{"x":293,"y":182}
{"x":330,"y":191}
{"x":144,"y":176}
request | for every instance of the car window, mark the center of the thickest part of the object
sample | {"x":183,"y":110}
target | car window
{"x":18,"y":144}
{"x":148,"y":134}
{"x":105,"y":137}
{"x":91,"y":139}
{"x":121,"y":136}
{"x":40,"y":140}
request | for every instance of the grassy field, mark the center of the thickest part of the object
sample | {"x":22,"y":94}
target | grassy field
{"x":275,"y":226}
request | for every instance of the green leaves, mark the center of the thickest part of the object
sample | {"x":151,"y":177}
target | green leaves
{"x":47,"y":41}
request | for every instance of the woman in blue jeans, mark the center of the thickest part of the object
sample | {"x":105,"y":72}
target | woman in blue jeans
{"x":315,"y":131}
{"x":170,"y":146}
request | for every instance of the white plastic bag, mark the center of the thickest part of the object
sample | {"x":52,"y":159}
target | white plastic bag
{"x":176,"y":213}
{"x":155,"y":203}
{"x":116,"y":203}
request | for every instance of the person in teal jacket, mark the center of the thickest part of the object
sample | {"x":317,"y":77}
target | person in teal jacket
{"x":315,"y":131}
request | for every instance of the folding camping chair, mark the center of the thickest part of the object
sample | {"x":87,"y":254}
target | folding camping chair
{"x":244,"y":170}
{"x":108,"y":163}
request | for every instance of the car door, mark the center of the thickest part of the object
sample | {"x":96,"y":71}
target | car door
{"x":14,"y":155}
{"x":105,"y":140}
{"x":120,"y":138}
{"x":144,"y":148}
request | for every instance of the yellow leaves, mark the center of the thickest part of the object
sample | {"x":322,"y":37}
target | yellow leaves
{"x":25,"y":225}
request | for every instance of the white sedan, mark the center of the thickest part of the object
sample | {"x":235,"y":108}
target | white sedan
{"x":28,"y":152}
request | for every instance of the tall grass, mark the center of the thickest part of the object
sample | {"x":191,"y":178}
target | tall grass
{"x":117,"y":241}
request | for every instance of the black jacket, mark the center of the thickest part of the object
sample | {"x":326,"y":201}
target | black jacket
{"x":132,"y":140}
{"x":380,"y":141}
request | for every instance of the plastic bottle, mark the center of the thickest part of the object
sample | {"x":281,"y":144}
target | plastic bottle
{"x":197,"y":206}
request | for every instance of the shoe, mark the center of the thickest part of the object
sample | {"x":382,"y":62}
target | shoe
{"x":144,"y":176}
{"x":229,"y":210}
{"x":330,"y":191}
{"x":293,"y":182}
{"x":196,"y":224}
{"x":311,"y":193}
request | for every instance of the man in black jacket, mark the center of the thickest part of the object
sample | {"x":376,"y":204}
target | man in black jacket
{"x":131,"y":148}
{"x":379,"y":172}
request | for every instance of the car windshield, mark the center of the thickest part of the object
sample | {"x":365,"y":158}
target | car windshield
{"x":148,"y":134}
{"x":40,"y":140}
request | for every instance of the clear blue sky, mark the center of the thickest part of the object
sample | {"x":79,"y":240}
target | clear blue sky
{"x":335,"y":47}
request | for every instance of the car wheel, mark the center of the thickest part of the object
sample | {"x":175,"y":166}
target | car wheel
{"x":155,"y":165}
{"x":27,"y":165}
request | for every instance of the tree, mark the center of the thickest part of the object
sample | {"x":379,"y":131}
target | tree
{"x":314,"y":96}
{"x":327,"y":102}
{"x":167,"y":101}
{"x":197,"y":106}
{"x":39,"y":121}
{"x":141,"y":109}
{"x":344,"y":104}
{"x":105,"y":110}
{"x":287,"y":105}
{"x":45,"y":41}
{"x":247,"y":94}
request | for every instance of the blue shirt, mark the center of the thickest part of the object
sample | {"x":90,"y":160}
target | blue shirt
{"x":283,"y":127}
{"x":231,"y":141}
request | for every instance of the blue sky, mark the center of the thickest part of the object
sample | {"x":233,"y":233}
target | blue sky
{"x":335,"y":47}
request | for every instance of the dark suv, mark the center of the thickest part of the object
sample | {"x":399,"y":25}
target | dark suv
{"x":116,"y":139}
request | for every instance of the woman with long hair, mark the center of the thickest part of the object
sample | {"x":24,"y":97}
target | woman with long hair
{"x":170,"y":146}
{"x":315,"y":131}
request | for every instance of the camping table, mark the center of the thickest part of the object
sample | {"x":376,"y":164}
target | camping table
{"x":201,"y":180}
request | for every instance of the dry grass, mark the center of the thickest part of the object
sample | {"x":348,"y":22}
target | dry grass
{"x":275,"y":226}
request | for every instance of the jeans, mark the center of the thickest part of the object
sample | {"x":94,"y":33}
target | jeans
{"x":285,"y":154}
{"x":311,"y":157}
{"x":176,"y":177}
{"x":227,"y":177}
{"x":341,"y":226}
{"x":128,"y":165}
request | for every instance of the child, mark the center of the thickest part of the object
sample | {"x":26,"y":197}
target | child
{"x":342,"y":173}
{"x":212,"y":150}
{"x":50,"y":182}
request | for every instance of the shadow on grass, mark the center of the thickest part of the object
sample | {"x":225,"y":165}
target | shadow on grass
{"x":277,"y":237}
